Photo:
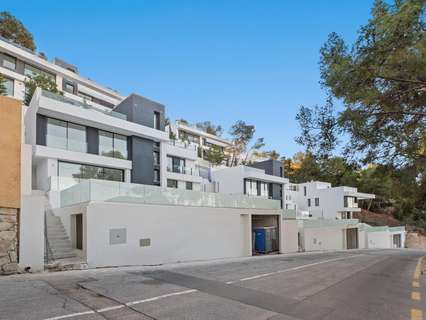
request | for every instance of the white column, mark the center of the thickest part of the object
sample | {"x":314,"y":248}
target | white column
{"x":31,"y":233}
{"x":163,"y":164}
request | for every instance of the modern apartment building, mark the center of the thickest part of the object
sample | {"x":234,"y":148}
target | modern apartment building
{"x":318,"y":199}
{"x":263,"y":179}
{"x":108,"y":182}
{"x":17,"y":64}
{"x":202,"y":140}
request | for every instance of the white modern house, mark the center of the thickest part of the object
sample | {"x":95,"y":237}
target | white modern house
{"x":318,"y":199}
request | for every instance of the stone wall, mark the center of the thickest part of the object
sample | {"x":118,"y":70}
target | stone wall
{"x":8,"y":240}
{"x":415,"y":240}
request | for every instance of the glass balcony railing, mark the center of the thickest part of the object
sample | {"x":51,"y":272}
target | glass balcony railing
{"x":110,"y":191}
{"x":184,"y":170}
{"x":66,"y":144}
{"x":79,"y":104}
{"x":183,"y":144}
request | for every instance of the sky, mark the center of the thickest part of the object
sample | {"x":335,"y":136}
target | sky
{"x":218,"y":61}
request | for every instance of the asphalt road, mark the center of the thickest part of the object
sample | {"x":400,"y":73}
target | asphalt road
{"x":362,"y":284}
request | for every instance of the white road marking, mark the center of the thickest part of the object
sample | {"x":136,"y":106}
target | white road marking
{"x":120,"y":306}
{"x":132,"y":303}
{"x":71,"y":315}
{"x":161,"y":297}
{"x":258,"y":276}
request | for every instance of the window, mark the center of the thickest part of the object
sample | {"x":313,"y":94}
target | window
{"x":172,"y":183}
{"x":31,"y":72}
{"x":82,"y":171}
{"x":120,"y":146}
{"x":263,"y":190}
{"x":76,"y":138}
{"x":69,"y":87}
{"x":350,"y":202}
{"x":112,"y":145}
{"x":304,"y":191}
{"x":9,"y":85}
{"x":256,"y":188}
{"x":281,"y":172}
{"x":156,"y":175}
{"x":188,"y":185}
{"x":309,"y":202}
{"x":84,"y":96}
{"x":106,"y":143}
{"x":175,"y":164}
{"x":157,"y":120}
{"x":9,"y":62}
{"x":65,"y":135}
{"x":156,"y":157}
{"x":56,"y":134}
{"x":316,"y":202}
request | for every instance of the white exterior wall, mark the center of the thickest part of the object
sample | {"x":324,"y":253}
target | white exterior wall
{"x":176,"y":233}
{"x":289,"y":236}
{"x":31,"y":233}
{"x":324,"y":238}
{"x":379,"y":240}
{"x":230,"y":180}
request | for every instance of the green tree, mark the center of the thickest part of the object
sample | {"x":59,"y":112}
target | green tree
{"x":320,"y":129}
{"x":210,"y":128}
{"x":13,"y":30}
{"x":2,"y":86}
{"x":39,"y":81}
{"x":215,"y":155}
{"x":241,"y":136}
{"x":382,"y":82}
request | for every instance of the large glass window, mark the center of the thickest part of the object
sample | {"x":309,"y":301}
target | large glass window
{"x":9,"y":62}
{"x":56,"y":134}
{"x":31,"y":72}
{"x":120,"y":146}
{"x":77,"y":138}
{"x":112,"y":145}
{"x":64,"y":135}
{"x":175,"y":164}
{"x":257,"y":188}
{"x":251,"y":187}
{"x":82,"y":171}
{"x":9,"y":85}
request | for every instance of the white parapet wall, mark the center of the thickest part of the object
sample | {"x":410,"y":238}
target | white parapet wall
{"x":289,"y":236}
{"x":31,"y":233}
{"x":118,"y":234}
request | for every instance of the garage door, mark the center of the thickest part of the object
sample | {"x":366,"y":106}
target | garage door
{"x":352,"y":238}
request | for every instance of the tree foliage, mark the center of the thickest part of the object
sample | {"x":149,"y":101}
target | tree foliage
{"x":13,"y":30}
{"x":210,"y":128}
{"x":382,"y":82}
{"x":215,"y":155}
{"x":320,"y":129}
{"x":39,"y":81}
{"x":241,"y":135}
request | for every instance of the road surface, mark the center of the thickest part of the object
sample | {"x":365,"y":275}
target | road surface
{"x":361,"y":284}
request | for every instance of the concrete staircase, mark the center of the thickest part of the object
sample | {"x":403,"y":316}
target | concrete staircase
{"x":58,"y":245}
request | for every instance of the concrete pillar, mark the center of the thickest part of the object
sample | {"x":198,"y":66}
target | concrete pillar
{"x":31,"y":233}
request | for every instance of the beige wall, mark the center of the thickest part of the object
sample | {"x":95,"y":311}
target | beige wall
{"x":10,"y":146}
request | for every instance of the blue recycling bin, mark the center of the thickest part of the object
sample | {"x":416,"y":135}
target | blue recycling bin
{"x":264,"y":238}
{"x":260,"y":240}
